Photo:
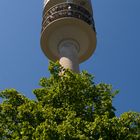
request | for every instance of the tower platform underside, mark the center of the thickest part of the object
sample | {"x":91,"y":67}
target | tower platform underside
{"x":68,"y":29}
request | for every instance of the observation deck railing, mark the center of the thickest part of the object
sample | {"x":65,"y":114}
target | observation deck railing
{"x":66,"y":10}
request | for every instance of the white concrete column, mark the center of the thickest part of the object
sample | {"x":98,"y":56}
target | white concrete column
{"x":68,"y":50}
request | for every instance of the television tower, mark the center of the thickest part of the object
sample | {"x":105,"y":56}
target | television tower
{"x":68,"y":32}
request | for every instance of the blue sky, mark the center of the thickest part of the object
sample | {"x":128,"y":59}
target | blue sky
{"x":116,"y":60}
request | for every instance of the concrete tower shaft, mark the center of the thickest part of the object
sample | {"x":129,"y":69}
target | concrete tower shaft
{"x":68,"y":32}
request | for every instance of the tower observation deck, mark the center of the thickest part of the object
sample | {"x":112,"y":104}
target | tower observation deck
{"x":68,"y":32}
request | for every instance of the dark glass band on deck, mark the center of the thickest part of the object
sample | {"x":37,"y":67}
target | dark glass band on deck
{"x":66,"y":10}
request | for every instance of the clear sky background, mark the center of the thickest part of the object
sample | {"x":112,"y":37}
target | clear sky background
{"x":116,"y":60}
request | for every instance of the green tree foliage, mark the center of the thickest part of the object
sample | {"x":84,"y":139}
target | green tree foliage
{"x":68,"y":106}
